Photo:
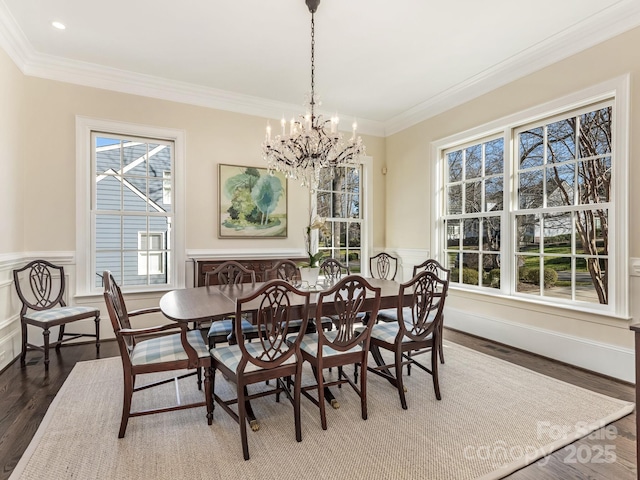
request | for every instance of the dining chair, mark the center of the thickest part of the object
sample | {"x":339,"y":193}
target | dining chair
{"x":288,"y":271}
{"x":40,"y":286}
{"x":273,"y":306}
{"x":416,"y":331}
{"x":333,"y":270}
{"x":229,"y":273}
{"x":344,"y":345}
{"x":167,"y":351}
{"x":429,"y":265}
{"x":383,"y":266}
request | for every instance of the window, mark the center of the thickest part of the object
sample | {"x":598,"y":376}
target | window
{"x":341,"y":200}
{"x":536,"y":209}
{"x":473,"y":219}
{"x":130,"y":216}
{"x":562,"y":220}
{"x":127,"y":218}
{"x":151,"y":253}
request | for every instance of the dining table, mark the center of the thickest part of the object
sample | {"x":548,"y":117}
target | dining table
{"x":200,"y":304}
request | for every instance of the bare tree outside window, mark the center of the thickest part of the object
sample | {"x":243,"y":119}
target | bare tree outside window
{"x":338,"y":201}
{"x":565,"y":174}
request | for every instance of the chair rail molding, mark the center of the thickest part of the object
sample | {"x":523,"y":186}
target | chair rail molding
{"x":409,"y":257}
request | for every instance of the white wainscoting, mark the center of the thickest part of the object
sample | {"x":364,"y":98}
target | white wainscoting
{"x":599,"y":357}
{"x":408,"y":259}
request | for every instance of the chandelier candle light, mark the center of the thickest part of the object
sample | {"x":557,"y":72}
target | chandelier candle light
{"x":312,"y":143}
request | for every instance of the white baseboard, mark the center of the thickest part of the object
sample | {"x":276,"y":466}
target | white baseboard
{"x":598,"y":357}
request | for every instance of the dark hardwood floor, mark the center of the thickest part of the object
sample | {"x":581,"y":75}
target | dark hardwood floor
{"x":25,"y":395}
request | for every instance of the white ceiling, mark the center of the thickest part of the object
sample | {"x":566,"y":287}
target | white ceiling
{"x":388,"y":63}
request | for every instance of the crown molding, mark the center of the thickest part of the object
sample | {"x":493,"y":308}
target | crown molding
{"x":35,"y":64}
{"x":600,"y":27}
{"x":12,"y":39}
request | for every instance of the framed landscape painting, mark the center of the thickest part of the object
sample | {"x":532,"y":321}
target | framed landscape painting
{"x":252,"y":203}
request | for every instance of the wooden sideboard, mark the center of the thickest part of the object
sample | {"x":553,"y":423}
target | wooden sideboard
{"x":259,"y":265}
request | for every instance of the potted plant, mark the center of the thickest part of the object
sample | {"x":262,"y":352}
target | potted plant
{"x":310,"y":270}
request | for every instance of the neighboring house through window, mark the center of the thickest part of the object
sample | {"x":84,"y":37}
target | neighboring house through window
{"x":130,"y":207}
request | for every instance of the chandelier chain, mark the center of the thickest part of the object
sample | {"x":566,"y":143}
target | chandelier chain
{"x":312,"y":142}
{"x":313,"y":63}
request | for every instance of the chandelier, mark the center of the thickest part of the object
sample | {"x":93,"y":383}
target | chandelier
{"x":312,"y":142}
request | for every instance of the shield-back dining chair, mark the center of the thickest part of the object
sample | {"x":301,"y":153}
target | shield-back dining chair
{"x":229,"y":273}
{"x":273,"y":306}
{"x":333,"y":270}
{"x":416,"y":331}
{"x":383,"y":266}
{"x":344,"y":345}
{"x":429,"y":265}
{"x":140,"y":354}
{"x":41,"y":288}
{"x":288,"y":271}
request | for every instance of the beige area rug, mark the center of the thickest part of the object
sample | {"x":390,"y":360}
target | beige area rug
{"x":494,"y":417}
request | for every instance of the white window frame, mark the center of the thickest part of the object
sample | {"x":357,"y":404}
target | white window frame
{"x":617,"y":90}
{"x":85,"y":233}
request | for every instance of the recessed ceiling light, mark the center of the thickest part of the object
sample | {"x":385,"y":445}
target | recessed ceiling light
{"x":58,"y":25}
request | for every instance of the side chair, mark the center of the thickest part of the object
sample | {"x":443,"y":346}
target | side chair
{"x":273,"y":306}
{"x":184,"y":349}
{"x":383,"y":266}
{"x":333,"y":270}
{"x":40,"y":285}
{"x":347,"y":299}
{"x":288,"y":271}
{"x":429,"y":265}
{"x":416,"y":331}
{"x":229,"y":273}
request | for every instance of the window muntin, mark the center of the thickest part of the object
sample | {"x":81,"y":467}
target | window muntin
{"x":130,"y":216}
{"x":339,"y":200}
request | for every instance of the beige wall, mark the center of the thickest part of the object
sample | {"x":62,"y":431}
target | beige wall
{"x":212,"y":137}
{"x":12,"y":156}
{"x":409,"y":181}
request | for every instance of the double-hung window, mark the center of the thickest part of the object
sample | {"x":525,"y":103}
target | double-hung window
{"x":342,"y":201}
{"x":536,"y":209}
{"x":127,"y":219}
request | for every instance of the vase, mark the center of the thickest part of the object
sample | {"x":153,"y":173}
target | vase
{"x":309,"y":276}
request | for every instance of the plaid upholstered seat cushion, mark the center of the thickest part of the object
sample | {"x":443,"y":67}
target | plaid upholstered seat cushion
{"x":60,"y":313}
{"x":387,"y":332}
{"x":391,"y":314}
{"x":224,"y":327}
{"x":230,"y":356}
{"x":167,"y":348}
{"x":310,"y":344}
